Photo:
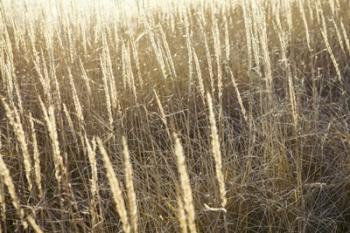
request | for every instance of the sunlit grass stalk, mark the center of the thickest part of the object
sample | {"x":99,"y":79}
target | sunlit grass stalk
{"x":292,"y":95}
{"x":181,"y":214}
{"x":346,"y":38}
{"x":76,"y":101}
{"x":156,"y":50}
{"x":108,"y":71}
{"x":162,"y":113}
{"x":8,"y":45}
{"x":107,"y":94}
{"x":85,"y":77}
{"x":135,"y":54}
{"x":247,"y":25}
{"x":129,"y":184}
{"x":189,"y":52}
{"x":50,"y":119}
{"x":15,"y":121}
{"x":328,"y":46}
{"x":8,"y":82}
{"x":253,"y":15}
{"x":216,"y":151}
{"x":339,"y":36}
{"x":167,"y":50}
{"x":218,"y":58}
{"x":262,"y":30}
{"x":227,"y":40}
{"x":287,"y":11}
{"x":91,"y":152}
{"x":6,"y":177}
{"x":303,"y":15}
{"x":57,"y":92}
{"x":115,"y":188}
{"x":18,"y":95}
{"x":124,"y":66}
{"x":332,"y":6}
{"x":130,"y":72}
{"x":239,"y":97}
{"x":70,"y":123}
{"x":208,"y":58}
{"x":199,"y":75}
{"x":283,"y":38}
{"x":36,"y":157}
{"x":43,"y":73}
{"x":185,"y":185}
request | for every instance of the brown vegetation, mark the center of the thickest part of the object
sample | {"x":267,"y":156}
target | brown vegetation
{"x":215,"y":116}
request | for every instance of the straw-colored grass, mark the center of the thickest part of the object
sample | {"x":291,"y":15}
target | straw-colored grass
{"x":129,"y":185}
{"x":186,"y":199}
{"x":6,"y":177}
{"x":115,"y":188}
{"x":92,"y":91}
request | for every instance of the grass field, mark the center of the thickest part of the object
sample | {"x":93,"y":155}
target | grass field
{"x":175,"y":116}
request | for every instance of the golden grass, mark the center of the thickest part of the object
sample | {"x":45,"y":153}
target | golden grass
{"x":36,"y":157}
{"x":50,"y":119}
{"x":90,"y":95}
{"x":6,"y":177}
{"x":186,"y":200}
{"x":216,"y":151}
{"x":129,"y":185}
{"x":94,"y":200}
{"x":115,"y":188}
{"x":14,"y":119}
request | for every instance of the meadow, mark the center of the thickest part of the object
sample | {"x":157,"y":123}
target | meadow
{"x":175,"y":116}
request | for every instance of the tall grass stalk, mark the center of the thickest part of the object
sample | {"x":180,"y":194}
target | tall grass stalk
{"x":6,"y":177}
{"x":132,"y":203}
{"x":115,"y":188}
{"x":15,"y":120}
{"x":185,"y":186}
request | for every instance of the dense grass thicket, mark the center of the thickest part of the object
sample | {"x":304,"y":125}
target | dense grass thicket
{"x":203,"y":116}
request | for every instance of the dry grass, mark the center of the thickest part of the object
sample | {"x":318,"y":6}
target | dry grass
{"x":186,"y":199}
{"x":257,"y":91}
{"x":115,"y":188}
